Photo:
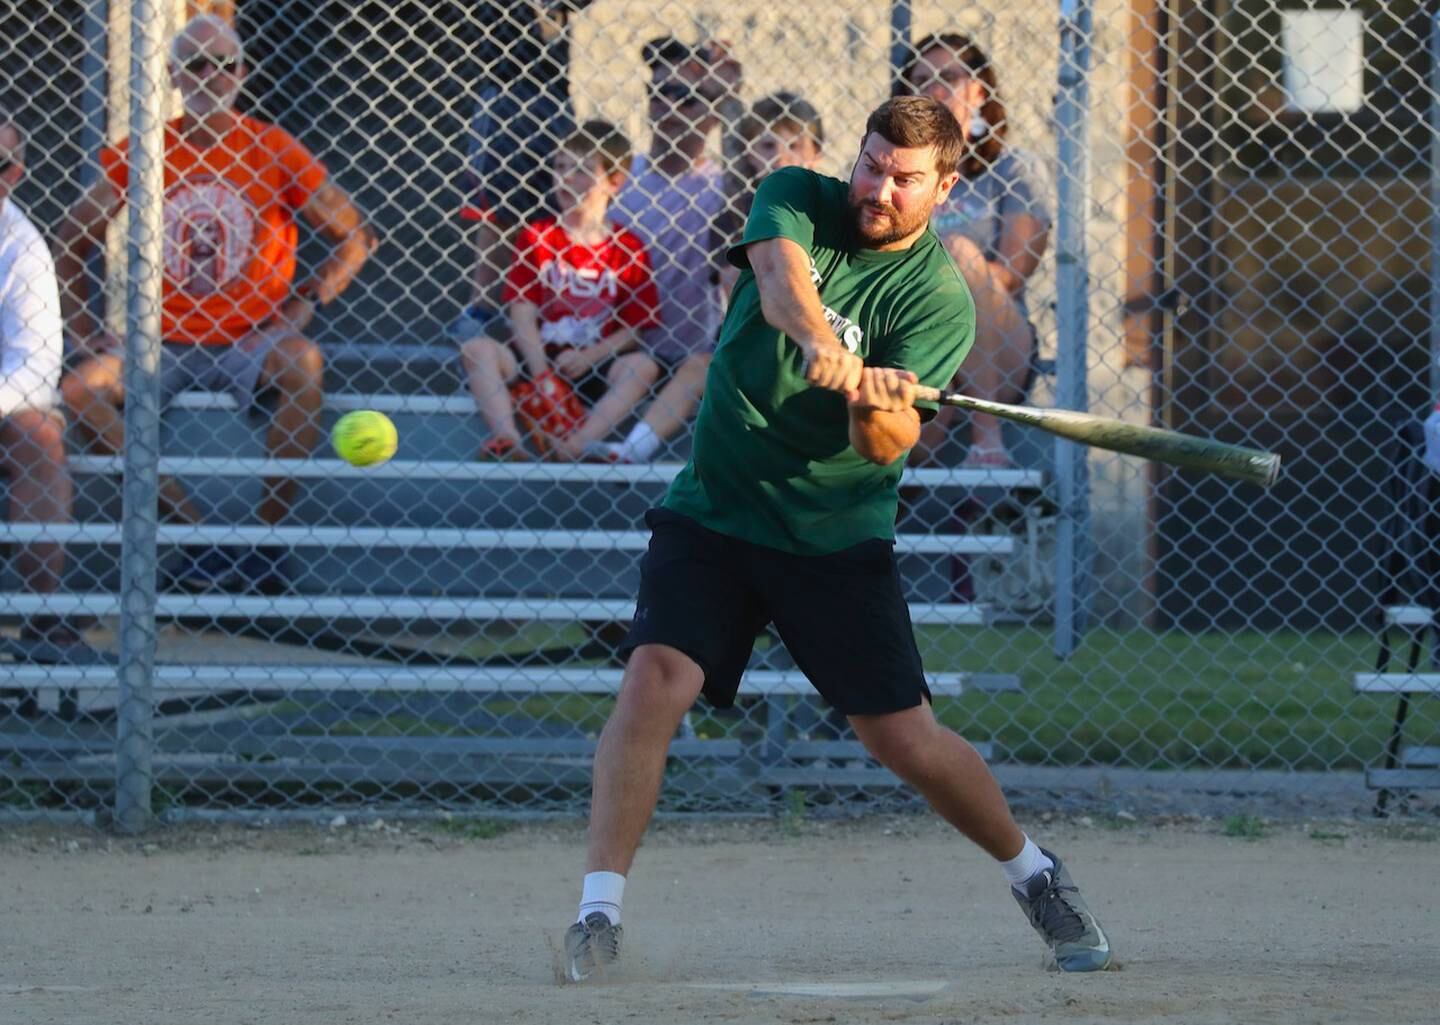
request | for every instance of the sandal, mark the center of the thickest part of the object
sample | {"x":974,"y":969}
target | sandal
{"x":501,"y":449}
{"x":603,"y":452}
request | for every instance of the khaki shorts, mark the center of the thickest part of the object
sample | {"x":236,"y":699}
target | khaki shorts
{"x":234,"y":369}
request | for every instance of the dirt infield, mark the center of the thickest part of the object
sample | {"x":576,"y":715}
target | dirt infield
{"x":792,"y":922}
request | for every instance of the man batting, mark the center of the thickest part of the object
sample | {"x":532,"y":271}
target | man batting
{"x":786,"y":511}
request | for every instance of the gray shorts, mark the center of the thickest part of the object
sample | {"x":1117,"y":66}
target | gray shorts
{"x":234,"y":369}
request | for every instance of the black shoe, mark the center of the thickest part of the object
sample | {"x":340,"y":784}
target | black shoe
{"x":261,"y":571}
{"x":591,"y":944}
{"x":1052,"y":902}
{"x":207,"y":569}
{"x":234,"y":570}
{"x":54,"y":640}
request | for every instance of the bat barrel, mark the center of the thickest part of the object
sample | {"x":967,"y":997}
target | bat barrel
{"x":1154,"y":443}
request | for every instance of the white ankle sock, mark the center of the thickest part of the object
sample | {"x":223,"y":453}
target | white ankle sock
{"x":1025,"y":864}
{"x":640,"y":444}
{"x":602,"y":892}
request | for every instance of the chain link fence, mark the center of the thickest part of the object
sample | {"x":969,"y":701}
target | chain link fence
{"x":1215,"y":216}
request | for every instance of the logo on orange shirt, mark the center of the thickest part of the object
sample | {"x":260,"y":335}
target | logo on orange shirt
{"x":209,"y":235}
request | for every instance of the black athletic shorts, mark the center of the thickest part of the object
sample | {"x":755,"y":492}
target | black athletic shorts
{"x":842,"y":616}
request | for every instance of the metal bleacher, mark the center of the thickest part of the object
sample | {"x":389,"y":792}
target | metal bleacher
{"x":430,"y":542}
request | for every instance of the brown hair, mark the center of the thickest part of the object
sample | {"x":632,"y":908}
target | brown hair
{"x":917,"y":121}
{"x":597,"y":138}
{"x":982,"y":153}
{"x":784,"y":110}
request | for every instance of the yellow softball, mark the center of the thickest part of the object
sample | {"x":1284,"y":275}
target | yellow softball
{"x":365,"y":437}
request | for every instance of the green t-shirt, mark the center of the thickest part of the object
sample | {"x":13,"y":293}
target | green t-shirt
{"x":772,"y":462}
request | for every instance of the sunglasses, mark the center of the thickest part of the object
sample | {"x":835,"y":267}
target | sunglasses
{"x":950,"y":76}
{"x":678,"y":93}
{"x":203,"y":63}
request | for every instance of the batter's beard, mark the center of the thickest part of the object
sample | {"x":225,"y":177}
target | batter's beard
{"x":897,"y":228}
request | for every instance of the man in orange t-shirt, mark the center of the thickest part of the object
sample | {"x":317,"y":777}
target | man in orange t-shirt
{"x":233,"y":316}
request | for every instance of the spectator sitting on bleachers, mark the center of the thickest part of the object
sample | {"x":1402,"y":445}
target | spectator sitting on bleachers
{"x":233,"y":317}
{"x":579,"y":291}
{"x":996,"y":227}
{"x":781,"y":130}
{"x":522,"y":111}
{"x":671,"y":202}
{"x":32,"y":430}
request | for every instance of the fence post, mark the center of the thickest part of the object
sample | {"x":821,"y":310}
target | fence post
{"x":900,"y":21}
{"x":1072,"y":118}
{"x":134,"y":737}
{"x":1435,"y":208}
{"x":93,"y":103}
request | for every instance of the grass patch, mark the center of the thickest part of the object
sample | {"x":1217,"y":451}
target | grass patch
{"x":473,"y":829}
{"x":1413,"y":832}
{"x":793,"y":818}
{"x":1243,"y":700}
{"x":1116,"y":821}
{"x":1225,"y":700}
{"x":1244,"y":827}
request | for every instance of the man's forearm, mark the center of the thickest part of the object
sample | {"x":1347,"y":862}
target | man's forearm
{"x":346,"y":260}
{"x":73,"y":278}
{"x":617,"y":342}
{"x":790,"y":305}
{"x":883,"y":437}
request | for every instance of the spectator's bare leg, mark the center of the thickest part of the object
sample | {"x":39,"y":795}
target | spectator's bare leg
{"x":677,"y":401}
{"x":95,"y":393}
{"x":995,"y":369}
{"x":32,"y":451}
{"x":629,"y":379}
{"x":489,"y":369}
{"x":296,"y":370}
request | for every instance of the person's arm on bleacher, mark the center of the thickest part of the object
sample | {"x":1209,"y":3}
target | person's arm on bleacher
{"x":574,"y":363}
{"x":81,"y":232}
{"x":332,"y":214}
{"x":1023,"y":238}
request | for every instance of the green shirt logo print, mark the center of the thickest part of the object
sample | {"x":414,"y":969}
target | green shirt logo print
{"x":845,"y":329}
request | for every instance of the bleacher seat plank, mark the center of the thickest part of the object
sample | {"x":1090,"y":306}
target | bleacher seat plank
{"x":542,"y":473}
{"x":381,"y":607}
{"x":1409,"y":615}
{"x":437,"y":537}
{"x":1397,"y":683}
{"x":1403,"y":779}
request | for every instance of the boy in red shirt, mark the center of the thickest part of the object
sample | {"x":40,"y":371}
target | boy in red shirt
{"x":578,"y":294}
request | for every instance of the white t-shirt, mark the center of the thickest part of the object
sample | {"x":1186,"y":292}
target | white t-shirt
{"x":31,"y":338}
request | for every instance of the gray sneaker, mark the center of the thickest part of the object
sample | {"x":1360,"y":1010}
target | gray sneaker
{"x":1052,"y":902}
{"x":589,"y":945}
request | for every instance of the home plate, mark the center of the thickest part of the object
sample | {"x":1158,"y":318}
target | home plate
{"x":912,"y":989}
